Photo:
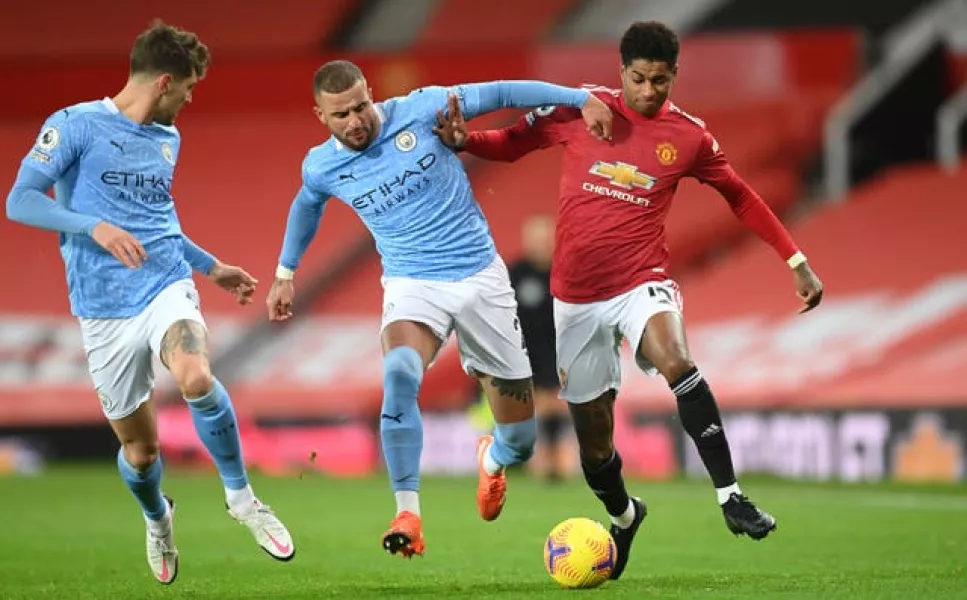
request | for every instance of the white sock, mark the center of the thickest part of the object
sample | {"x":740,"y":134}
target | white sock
{"x":162,"y":525}
{"x":625,"y":519}
{"x":240,"y":500}
{"x":408,"y":500}
{"x":489,"y":464}
{"x":726,"y":492}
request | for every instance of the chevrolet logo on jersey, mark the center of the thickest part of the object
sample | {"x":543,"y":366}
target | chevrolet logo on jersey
{"x":620,"y":175}
{"x":623,"y":175}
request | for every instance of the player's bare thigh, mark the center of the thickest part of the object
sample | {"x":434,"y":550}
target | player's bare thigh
{"x":185,"y":353}
{"x":138,"y":434}
{"x":665,"y":345}
{"x":414,"y":335}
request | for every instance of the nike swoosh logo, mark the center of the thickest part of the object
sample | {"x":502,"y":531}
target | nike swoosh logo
{"x":282,"y":548}
{"x":164,"y":569}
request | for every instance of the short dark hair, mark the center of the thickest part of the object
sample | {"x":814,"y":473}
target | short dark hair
{"x":164,"y":48}
{"x":336,"y":76}
{"x":649,"y":40}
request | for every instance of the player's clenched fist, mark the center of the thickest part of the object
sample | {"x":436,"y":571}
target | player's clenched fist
{"x":280,"y":298}
{"x":808,"y":287}
{"x":597,"y":116}
{"x":120,"y":244}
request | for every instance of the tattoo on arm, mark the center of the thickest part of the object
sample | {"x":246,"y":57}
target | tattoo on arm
{"x":519,"y":389}
{"x":184,"y":336}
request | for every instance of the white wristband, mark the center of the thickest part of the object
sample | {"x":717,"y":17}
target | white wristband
{"x":796,"y":259}
{"x":284,"y":273}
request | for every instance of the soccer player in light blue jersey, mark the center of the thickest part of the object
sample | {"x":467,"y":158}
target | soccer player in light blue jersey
{"x":441,"y":271}
{"x":129,"y":276}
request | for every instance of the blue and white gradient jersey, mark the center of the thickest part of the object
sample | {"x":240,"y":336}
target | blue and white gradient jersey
{"x":105,"y":167}
{"x":410,"y":190}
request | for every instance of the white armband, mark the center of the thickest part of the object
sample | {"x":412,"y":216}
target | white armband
{"x":796,"y":259}
{"x":284,"y":273}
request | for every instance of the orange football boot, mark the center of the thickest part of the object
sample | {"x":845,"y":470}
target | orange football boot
{"x":491,"y":489}
{"x":405,"y":535}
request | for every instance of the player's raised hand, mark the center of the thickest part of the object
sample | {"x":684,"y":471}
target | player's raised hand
{"x":808,"y":287}
{"x":597,"y":116}
{"x":121,"y":244}
{"x":235,"y":280}
{"x":452,"y":128}
{"x":280,"y":298}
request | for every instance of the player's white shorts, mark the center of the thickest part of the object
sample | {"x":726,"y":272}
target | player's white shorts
{"x":589,"y":337}
{"x":481,"y":309}
{"x":119,"y":351}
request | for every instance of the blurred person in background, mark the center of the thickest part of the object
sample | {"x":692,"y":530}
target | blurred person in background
{"x":531,"y":278}
{"x":611,"y":277}
{"x":111,"y":163}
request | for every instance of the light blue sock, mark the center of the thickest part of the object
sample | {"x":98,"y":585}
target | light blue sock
{"x":217,"y":428}
{"x":400,"y":424}
{"x":145,"y":486}
{"x":514,"y":442}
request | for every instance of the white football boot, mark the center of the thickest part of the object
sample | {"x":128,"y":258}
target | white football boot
{"x":162,"y":553}
{"x":269,"y":532}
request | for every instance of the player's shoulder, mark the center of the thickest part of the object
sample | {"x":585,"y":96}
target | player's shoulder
{"x":677,"y":114}
{"x":417,"y":100}
{"x":69,"y":123}
{"x":79,"y":113}
{"x":319,"y":159}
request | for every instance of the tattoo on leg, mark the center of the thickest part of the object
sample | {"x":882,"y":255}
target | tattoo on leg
{"x":594,"y":426}
{"x":184,"y":336}
{"x":519,"y":389}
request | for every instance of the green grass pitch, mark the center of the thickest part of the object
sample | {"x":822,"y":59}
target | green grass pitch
{"x":77,"y":533}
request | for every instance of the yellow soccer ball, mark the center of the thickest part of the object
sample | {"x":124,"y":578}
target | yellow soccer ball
{"x":579,"y":553}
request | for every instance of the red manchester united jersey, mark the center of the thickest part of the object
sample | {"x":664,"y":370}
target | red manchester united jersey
{"x":615,"y":195}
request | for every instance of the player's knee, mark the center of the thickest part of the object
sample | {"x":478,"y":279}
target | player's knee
{"x":141,"y":455}
{"x":402,"y":376}
{"x":518,"y":438}
{"x":196,"y":380}
{"x":675,"y":365}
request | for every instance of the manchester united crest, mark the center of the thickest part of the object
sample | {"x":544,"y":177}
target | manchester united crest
{"x":666,"y":153}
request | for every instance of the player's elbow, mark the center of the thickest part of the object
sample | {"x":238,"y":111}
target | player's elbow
{"x":15,"y":204}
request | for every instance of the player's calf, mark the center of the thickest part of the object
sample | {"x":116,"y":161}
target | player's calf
{"x":142,"y":474}
{"x":401,"y":425}
{"x":601,"y":464}
{"x":700,"y":418}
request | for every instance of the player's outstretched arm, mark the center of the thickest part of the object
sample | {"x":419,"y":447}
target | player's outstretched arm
{"x":507,"y":144}
{"x":481,"y":98}
{"x":713,"y":168}
{"x":304,"y":217}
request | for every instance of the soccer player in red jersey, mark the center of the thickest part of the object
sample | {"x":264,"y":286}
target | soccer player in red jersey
{"x":610,"y":276}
